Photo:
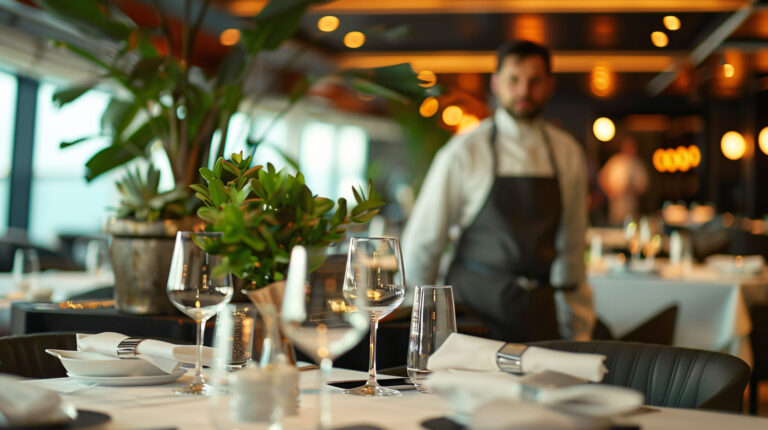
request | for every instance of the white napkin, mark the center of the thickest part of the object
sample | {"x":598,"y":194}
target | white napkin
{"x":28,"y":405}
{"x":469,"y":390}
{"x":460,"y":351}
{"x":166,"y":356}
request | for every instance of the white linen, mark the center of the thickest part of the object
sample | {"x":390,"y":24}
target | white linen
{"x":27,"y":405}
{"x":504,"y":415}
{"x":166,"y":356}
{"x":713,"y":311}
{"x":457,"y":185}
{"x":460,"y":351}
{"x":469,"y":390}
{"x":159,"y":407}
{"x":736,"y":264}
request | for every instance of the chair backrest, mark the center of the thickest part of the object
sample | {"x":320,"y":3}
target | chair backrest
{"x":659,"y":329}
{"x":669,"y":376}
{"x":759,"y":339}
{"x":25,"y":355}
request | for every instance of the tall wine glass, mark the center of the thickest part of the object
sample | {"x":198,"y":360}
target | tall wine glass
{"x":197,"y":289}
{"x":375,"y":273}
{"x":323,"y":320}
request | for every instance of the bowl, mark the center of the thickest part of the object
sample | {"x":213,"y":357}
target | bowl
{"x":93,"y":364}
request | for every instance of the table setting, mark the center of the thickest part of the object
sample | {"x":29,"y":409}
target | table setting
{"x":116,"y":381}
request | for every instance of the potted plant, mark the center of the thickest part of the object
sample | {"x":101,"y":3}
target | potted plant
{"x":164,"y":97}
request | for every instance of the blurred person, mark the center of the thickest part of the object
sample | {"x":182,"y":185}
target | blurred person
{"x":516,"y":190}
{"x":623,"y":178}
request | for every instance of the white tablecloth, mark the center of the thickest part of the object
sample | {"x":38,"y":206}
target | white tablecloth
{"x":157,"y":407}
{"x":713,"y":309}
{"x":62,"y":284}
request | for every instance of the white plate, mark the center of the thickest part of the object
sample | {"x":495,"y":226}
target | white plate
{"x":131,"y":380}
{"x":94,"y":364}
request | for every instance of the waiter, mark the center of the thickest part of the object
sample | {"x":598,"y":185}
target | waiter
{"x":515,"y":190}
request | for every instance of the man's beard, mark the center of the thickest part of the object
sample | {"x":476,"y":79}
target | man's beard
{"x":526,"y":114}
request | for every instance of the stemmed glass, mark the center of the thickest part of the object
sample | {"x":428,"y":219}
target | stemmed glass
{"x":375,"y":273}
{"x":196,"y":288}
{"x":324,"y":321}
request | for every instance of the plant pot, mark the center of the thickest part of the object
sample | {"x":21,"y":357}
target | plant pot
{"x":141,"y":257}
{"x":270,"y":341}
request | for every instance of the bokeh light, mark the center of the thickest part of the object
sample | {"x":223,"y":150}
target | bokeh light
{"x":659,"y":39}
{"x":354,"y":39}
{"x":604,"y":129}
{"x":672,"y":23}
{"x":328,"y":23}
{"x":429,"y":107}
{"x":229,"y":36}
{"x":733,"y":145}
{"x":452,"y":115}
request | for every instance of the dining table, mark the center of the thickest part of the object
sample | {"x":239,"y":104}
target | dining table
{"x":713,"y":307}
{"x":157,"y":407}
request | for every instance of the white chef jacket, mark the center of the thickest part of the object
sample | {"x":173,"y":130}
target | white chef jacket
{"x":457,"y":186}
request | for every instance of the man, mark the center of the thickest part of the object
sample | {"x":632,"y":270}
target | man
{"x":516,"y":188}
{"x":623,"y":178}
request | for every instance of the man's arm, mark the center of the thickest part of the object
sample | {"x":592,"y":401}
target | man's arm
{"x":576,"y":313}
{"x":436,"y":209}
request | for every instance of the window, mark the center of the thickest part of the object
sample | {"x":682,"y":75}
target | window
{"x":270,"y":150}
{"x":8,"y":87}
{"x":333,"y":159}
{"x":62,"y":201}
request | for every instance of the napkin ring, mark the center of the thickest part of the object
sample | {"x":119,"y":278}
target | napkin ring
{"x":126,"y":349}
{"x":508,"y":358}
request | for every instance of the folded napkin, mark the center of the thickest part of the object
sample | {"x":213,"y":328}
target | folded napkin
{"x":165,"y":356}
{"x":460,"y":351}
{"x":27,"y":405}
{"x":469,"y":390}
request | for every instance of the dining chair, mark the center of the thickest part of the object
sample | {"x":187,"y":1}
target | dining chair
{"x":759,"y":340}
{"x":25,"y":355}
{"x":669,"y":376}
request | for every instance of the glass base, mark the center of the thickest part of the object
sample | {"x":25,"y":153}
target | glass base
{"x":372,"y":391}
{"x":195,"y":390}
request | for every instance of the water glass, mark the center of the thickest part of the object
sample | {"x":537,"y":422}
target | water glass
{"x":433,"y":319}
{"x":239,"y":331}
{"x":26,"y":270}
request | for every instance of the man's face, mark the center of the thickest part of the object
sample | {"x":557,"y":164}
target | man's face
{"x":523,"y":86}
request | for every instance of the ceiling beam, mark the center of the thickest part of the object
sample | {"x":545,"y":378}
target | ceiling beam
{"x":252,"y":7}
{"x":485,"y":61}
{"x":703,"y":50}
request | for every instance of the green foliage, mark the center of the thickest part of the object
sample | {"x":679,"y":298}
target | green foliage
{"x":140,"y":198}
{"x":263,"y":213}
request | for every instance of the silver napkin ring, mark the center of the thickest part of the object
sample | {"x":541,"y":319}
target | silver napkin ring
{"x":126,"y":349}
{"x":508,"y":358}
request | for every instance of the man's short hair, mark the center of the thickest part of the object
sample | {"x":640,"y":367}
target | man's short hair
{"x":523,"y":49}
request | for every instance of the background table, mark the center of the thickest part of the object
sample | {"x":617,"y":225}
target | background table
{"x":157,"y":407}
{"x":713,"y":309}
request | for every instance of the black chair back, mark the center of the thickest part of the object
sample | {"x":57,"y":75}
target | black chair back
{"x":25,"y":355}
{"x":759,"y":339}
{"x":669,"y":376}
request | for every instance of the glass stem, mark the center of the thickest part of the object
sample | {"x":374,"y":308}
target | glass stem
{"x":372,"y":355}
{"x":199,"y":353}
{"x":326,"y":364}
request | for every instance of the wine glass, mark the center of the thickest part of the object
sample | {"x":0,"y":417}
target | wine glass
{"x":375,"y":273}
{"x":323,"y":320}
{"x":197,"y":288}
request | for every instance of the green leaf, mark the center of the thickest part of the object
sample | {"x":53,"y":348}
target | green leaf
{"x":68,"y":95}
{"x":217,"y":167}
{"x":120,"y":153}
{"x":322,"y":205}
{"x":90,"y":16}
{"x":358,"y":199}
{"x":206,"y":173}
{"x":341,"y":213}
{"x":118,"y":115}
{"x":75,"y":142}
{"x":218,"y":192}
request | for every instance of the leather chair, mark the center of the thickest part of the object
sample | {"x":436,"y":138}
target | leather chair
{"x":25,"y":355}
{"x":759,"y":340}
{"x":669,"y":376}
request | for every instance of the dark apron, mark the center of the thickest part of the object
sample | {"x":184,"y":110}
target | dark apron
{"x":500,"y":272}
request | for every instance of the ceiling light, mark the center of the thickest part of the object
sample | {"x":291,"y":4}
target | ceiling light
{"x":728,"y":70}
{"x":429,"y":107}
{"x":452,"y":115}
{"x":659,"y":39}
{"x":354,"y":39}
{"x":672,"y":22}
{"x":468,"y":123}
{"x":229,"y":37}
{"x":694,"y":155}
{"x":733,"y":145}
{"x":658,"y":160}
{"x":762,"y":140}
{"x":604,"y":129}
{"x":328,"y":23}
{"x":427,"y":77}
